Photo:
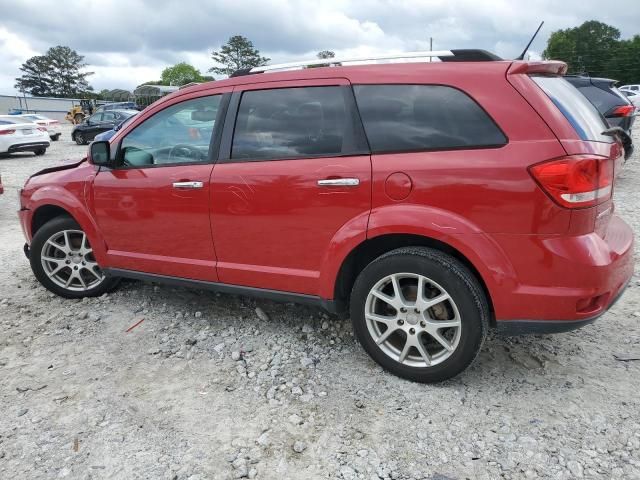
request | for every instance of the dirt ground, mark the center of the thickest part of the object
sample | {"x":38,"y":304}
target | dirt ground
{"x":217,"y":386}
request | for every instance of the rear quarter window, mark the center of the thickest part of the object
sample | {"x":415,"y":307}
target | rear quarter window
{"x":401,"y":118}
{"x":580,"y":112}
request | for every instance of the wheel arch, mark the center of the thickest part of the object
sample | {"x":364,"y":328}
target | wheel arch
{"x":44,"y":214}
{"x":49,"y":203}
{"x":370,"y":249}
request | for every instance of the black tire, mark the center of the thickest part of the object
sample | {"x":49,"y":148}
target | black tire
{"x":79,"y":138}
{"x":56,"y":137}
{"x":41,"y":151}
{"x":48,"y":230}
{"x":460,"y":284}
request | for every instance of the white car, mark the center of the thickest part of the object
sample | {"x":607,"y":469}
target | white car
{"x":630,"y":88}
{"x":19,"y":135}
{"x":634,"y":97}
{"x":52,"y":126}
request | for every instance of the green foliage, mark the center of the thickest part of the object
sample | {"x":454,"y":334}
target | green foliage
{"x":236,"y":54}
{"x":595,"y":48}
{"x":54,"y":74}
{"x":326,"y":54}
{"x":180,"y":74}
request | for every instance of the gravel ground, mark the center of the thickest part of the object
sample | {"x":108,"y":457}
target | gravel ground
{"x":218,"y":386}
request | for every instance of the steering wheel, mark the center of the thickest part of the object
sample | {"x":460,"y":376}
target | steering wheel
{"x":184,"y":151}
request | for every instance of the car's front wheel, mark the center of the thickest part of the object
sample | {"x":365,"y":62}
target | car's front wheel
{"x":62,"y":260}
{"x":79,"y":138}
{"x":41,"y":151}
{"x":419,"y":313}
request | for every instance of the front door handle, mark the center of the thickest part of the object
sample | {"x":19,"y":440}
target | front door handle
{"x":187,"y":185}
{"x":339,"y":182}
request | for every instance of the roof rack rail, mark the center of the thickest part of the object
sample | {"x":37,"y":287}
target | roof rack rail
{"x":464,"y":55}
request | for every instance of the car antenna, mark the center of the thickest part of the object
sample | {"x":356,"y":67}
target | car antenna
{"x":521,"y":57}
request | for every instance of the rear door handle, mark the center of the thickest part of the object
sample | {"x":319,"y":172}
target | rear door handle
{"x":187,"y":185}
{"x":339,"y":182}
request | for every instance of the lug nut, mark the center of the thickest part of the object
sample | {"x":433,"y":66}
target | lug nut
{"x":403,"y":310}
{"x":416,"y":310}
{"x":75,"y":268}
{"x":400,"y":322}
{"x":68,"y":262}
{"x":423,"y":324}
{"x":412,"y":331}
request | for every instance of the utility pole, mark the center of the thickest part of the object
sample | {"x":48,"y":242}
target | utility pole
{"x":431,"y":47}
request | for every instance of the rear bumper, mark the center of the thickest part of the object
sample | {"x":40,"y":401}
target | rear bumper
{"x":28,"y":147}
{"x":538,"y":327}
{"x":564,"y":281}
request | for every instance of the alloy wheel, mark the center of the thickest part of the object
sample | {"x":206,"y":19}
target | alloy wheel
{"x":68,"y":261}
{"x":413,"y":320}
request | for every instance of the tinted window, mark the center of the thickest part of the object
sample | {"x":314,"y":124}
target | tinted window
{"x":583,"y":116}
{"x":601,"y":99}
{"x":180,"y":133}
{"x":291,"y":122}
{"x":423,"y":117}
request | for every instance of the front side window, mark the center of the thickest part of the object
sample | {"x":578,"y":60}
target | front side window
{"x":406,"y":118}
{"x":108,"y":117}
{"x":292,"y":122}
{"x":95,"y":118}
{"x":180,"y":133}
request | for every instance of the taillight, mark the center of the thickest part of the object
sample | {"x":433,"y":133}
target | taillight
{"x":576,"y":181}
{"x":622,"y":111}
{"x":7,"y":132}
{"x":53,"y":122}
{"x":42,"y":129}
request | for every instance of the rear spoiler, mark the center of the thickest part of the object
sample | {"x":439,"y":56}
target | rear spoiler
{"x":550,"y":67}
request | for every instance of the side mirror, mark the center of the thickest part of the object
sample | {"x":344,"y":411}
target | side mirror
{"x":100,"y":153}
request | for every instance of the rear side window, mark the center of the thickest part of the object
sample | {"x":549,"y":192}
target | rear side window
{"x":293,"y":123}
{"x":583,"y":116}
{"x":401,"y":118}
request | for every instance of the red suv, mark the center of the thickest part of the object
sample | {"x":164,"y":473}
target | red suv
{"x":430,"y":200}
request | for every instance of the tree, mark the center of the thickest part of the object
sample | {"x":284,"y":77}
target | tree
{"x":55,"y":74}
{"x":238,"y":53}
{"x":326,"y":54}
{"x":180,"y":74}
{"x":588,"y":48}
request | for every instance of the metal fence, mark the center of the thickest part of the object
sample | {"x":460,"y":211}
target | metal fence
{"x":55,"y":108}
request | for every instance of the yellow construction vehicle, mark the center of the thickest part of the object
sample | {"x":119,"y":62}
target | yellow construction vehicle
{"x":79,"y":112}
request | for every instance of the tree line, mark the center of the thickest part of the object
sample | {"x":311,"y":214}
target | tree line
{"x":594,"y":48}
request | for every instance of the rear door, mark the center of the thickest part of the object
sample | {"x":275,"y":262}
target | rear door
{"x":293,"y":177}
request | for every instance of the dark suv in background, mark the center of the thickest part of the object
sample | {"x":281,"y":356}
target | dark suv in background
{"x":616,"y":108}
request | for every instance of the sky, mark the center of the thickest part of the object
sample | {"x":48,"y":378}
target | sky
{"x":129,"y":42}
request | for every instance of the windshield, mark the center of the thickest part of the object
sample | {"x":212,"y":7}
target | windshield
{"x":583,"y":116}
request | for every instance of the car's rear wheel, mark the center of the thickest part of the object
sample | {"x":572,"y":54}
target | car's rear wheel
{"x":40,"y":151}
{"x":419,"y":313}
{"x":62,"y":260}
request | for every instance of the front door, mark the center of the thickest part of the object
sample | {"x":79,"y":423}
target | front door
{"x":153,"y":208}
{"x":295,"y":178}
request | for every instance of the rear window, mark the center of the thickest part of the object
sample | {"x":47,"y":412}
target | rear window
{"x":601,"y":99}
{"x":401,"y":118}
{"x":583,"y":116}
